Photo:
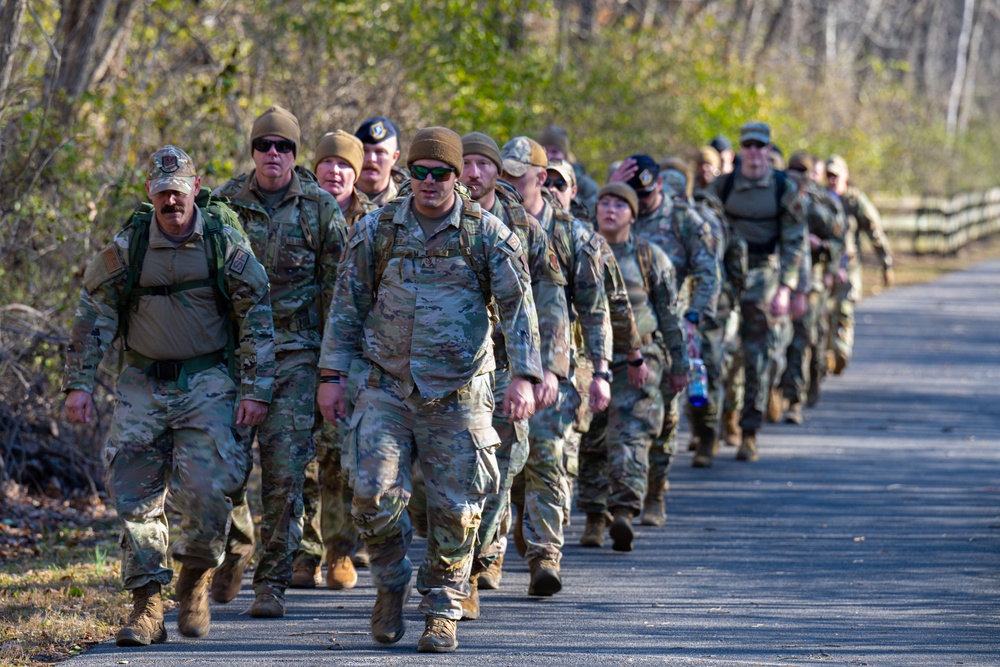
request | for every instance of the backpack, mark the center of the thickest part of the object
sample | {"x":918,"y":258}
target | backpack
{"x":780,"y":178}
{"x":216,"y":214}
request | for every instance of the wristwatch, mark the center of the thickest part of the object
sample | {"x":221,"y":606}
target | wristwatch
{"x":604,"y":375}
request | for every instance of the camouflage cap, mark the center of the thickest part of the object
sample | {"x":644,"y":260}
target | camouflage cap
{"x":564,"y":169}
{"x":801,"y":161}
{"x":836,"y":165}
{"x":170,"y":168}
{"x":520,"y":153}
{"x":755,"y":131}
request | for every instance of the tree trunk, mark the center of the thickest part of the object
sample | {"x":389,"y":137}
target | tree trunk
{"x":961,"y":63}
{"x":79,"y":30}
{"x":10,"y":34}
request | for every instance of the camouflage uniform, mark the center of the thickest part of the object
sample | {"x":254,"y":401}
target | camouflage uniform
{"x":772,"y":226}
{"x":614,"y":454}
{"x":177,"y":428}
{"x":862,"y":216}
{"x":327,"y":526}
{"x":299,"y":243}
{"x":579,"y":253}
{"x":423,"y":392}
{"x":687,"y":239}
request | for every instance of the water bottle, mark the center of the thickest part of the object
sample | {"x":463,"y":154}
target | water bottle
{"x":698,"y":386}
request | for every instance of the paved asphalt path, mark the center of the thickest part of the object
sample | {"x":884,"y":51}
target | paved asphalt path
{"x":869,"y":536}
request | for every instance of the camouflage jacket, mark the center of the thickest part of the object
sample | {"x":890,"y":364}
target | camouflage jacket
{"x":299,"y":246}
{"x":96,"y":322}
{"x":862,"y":216}
{"x":825,"y":220}
{"x":730,"y":253}
{"x":625,"y":334}
{"x":359,"y":208}
{"x":579,"y":253}
{"x":652,"y":293}
{"x":428,"y":325}
{"x":687,"y":239}
{"x":547,"y":287}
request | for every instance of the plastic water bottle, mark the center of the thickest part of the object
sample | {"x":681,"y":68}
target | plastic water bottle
{"x":698,"y":386}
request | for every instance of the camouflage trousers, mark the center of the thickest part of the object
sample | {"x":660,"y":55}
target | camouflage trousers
{"x":705,"y":420}
{"x":544,"y":475}
{"x":286,"y":447}
{"x":804,"y":358}
{"x":759,"y":334}
{"x":328,"y":531}
{"x":614,"y":453}
{"x":733,"y":379}
{"x":784,"y":335}
{"x":162,"y":436}
{"x":454,"y":445}
{"x":842,"y":316}
{"x":512,"y":454}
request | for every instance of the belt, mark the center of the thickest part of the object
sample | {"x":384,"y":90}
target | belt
{"x":756,"y":261}
{"x":174,"y":371}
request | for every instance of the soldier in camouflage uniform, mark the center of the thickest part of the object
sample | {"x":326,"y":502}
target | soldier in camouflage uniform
{"x":413,"y":292}
{"x":326,"y":494}
{"x":380,"y":178}
{"x":297,"y":230}
{"x":555,"y":141}
{"x":538,"y":528}
{"x":825,"y":221}
{"x":687,"y":239}
{"x":614,"y":455}
{"x":175,"y":284}
{"x":763,"y":207}
{"x":480,"y":172}
{"x":862,"y":216}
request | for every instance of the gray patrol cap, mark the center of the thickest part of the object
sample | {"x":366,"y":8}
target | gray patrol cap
{"x":755,"y":131}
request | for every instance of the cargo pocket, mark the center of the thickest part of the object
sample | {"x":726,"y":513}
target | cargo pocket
{"x":486,"y":474}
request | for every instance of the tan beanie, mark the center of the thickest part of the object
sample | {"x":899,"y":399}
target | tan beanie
{"x":343,"y":145}
{"x":278,"y":122}
{"x":437,"y":143}
{"x":477,"y":143}
{"x":622,"y":191}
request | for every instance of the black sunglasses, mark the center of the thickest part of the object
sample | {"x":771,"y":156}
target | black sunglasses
{"x":280,"y":145}
{"x":753,"y":144}
{"x":419,"y":172}
{"x":559,"y":185}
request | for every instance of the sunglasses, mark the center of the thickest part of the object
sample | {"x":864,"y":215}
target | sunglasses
{"x":559,"y":185}
{"x":419,"y":172}
{"x":280,"y":145}
{"x":753,"y":144}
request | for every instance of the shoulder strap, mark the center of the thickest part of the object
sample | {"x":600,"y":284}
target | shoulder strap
{"x":780,"y":178}
{"x":138,"y":242}
{"x":471,"y":234}
{"x":385,"y":239}
{"x":644,"y":255}
{"x":727,"y":187}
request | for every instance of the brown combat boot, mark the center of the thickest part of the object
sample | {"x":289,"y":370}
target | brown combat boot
{"x":269,"y":603}
{"x":227,"y":579}
{"x":593,"y":532}
{"x":654,"y":507}
{"x":731,"y":432}
{"x":306,"y":575}
{"x":693,"y":443}
{"x":360,"y":559}
{"x":470,"y":605}
{"x":490,"y":579}
{"x":191,"y":590}
{"x":794,"y":414}
{"x":621,"y":529}
{"x":775,"y":405}
{"x":145,"y":623}
{"x":748,"y":448}
{"x":439,"y":636}
{"x":545,"y":579}
{"x":388,"y":625}
{"x":708,"y":446}
{"x":340,"y":574}
{"x":519,"y":542}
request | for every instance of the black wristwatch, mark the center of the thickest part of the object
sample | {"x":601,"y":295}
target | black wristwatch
{"x":604,"y":375}
{"x":636,"y":362}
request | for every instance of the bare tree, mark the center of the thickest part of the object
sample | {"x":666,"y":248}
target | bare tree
{"x":961,"y":63}
{"x":10,"y":32}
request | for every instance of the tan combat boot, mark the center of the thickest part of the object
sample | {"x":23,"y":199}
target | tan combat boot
{"x":621,"y":529}
{"x":227,"y":579}
{"x":388,"y":625}
{"x":340,"y":574}
{"x":775,"y":405}
{"x":306,"y":575}
{"x":654,"y":507}
{"x":593,"y":532}
{"x":794,"y":414}
{"x":748,"y":448}
{"x":269,"y":603}
{"x":439,"y":636}
{"x":145,"y":623}
{"x":470,"y":605}
{"x":545,"y":579}
{"x":731,"y":432}
{"x":490,"y":579}
{"x":194,"y":618}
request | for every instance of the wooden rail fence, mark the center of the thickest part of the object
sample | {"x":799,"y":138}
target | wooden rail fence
{"x":939,"y":225}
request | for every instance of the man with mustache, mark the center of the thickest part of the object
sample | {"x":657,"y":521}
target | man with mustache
{"x":173,"y":285}
{"x":297,"y":231}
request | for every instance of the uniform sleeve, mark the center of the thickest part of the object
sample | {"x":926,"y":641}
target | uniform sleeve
{"x":510,"y":283}
{"x":870,"y":222}
{"x":793,"y":229}
{"x":624,"y":333}
{"x":549,"y":293}
{"x":96,"y":320}
{"x":704,"y":270}
{"x":663,"y":298}
{"x":589,"y":298}
{"x":333,"y":232}
{"x":247,"y":285}
{"x":352,"y":299}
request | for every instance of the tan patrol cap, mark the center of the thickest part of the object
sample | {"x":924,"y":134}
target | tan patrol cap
{"x":170,"y":168}
{"x":564,"y":169}
{"x":836,"y":165}
{"x":520,"y":153}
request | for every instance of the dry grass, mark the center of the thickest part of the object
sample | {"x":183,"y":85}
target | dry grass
{"x":914,"y":269}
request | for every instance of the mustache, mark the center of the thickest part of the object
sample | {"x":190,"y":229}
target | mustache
{"x":172,"y":208}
